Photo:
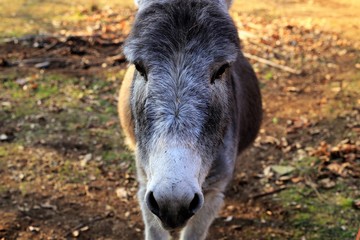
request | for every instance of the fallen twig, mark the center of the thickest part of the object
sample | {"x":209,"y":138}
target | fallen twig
{"x":312,"y":185}
{"x":260,"y":195}
{"x":270,"y":63}
{"x":89,"y":222}
{"x":119,"y":58}
{"x":32,"y":61}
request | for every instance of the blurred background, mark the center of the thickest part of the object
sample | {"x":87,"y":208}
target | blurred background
{"x":65,"y":172}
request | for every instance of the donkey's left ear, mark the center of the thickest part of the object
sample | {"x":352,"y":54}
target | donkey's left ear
{"x":229,"y":3}
{"x":143,"y":3}
{"x":225,"y":3}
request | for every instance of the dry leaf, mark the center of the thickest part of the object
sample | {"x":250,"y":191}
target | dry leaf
{"x":121,"y":193}
{"x":270,"y":140}
{"x":282,"y":170}
{"x":327,"y":183}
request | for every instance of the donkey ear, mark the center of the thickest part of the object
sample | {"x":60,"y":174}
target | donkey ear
{"x":143,"y":3}
{"x":228,"y":3}
{"x":225,"y":4}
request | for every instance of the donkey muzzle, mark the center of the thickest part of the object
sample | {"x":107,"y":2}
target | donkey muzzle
{"x":174,"y":210}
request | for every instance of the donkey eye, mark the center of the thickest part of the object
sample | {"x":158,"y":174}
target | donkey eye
{"x":140,"y":68}
{"x":220,"y":72}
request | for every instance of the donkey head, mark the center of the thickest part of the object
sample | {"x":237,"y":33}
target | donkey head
{"x":181,"y":99}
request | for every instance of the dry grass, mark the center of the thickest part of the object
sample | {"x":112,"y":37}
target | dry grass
{"x":19,"y":17}
{"x":333,"y":15}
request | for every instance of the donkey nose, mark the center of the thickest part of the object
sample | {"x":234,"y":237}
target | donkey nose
{"x":174,"y":213}
{"x":152,"y":204}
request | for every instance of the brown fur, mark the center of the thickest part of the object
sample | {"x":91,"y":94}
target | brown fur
{"x":124,"y":109}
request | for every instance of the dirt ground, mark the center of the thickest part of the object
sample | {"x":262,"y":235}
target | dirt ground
{"x":65,"y":172}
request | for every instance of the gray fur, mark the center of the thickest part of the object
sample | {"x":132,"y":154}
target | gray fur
{"x":145,"y":3}
{"x":189,"y":131}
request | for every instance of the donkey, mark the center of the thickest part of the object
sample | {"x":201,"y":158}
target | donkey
{"x":189,"y":105}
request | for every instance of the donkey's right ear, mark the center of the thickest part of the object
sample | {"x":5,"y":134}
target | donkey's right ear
{"x":142,"y":3}
{"x":228,"y":3}
{"x":139,"y":3}
{"x":225,"y":4}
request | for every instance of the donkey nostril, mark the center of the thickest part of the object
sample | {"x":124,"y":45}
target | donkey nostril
{"x":152,"y":204}
{"x":195,"y":204}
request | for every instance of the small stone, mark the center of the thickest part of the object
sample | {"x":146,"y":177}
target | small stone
{"x":3,"y":137}
{"x":83,"y":229}
{"x":6,"y":104}
{"x":42,"y":65}
{"x":76,"y":233}
{"x":34,"y":229}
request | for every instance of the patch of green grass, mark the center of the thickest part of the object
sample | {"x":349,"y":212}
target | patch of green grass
{"x":262,"y":85}
{"x":3,"y":152}
{"x":344,"y":202}
{"x":329,"y":218}
{"x":305,"y":166}
{"x":116,"y":157}
{"x":63,"y":112}
{"x":19,"y":17}
{"x":21,"y":110}
{"x":3,"y":155}
{"x":3,"y":189}
{"x":69,"y":173}
{"x":319,"y":213}
{"x":24,"y":188}
{"x":343,"y":94}
{"x":127,"y":156}
{"x":269,"y":75}
{"x":10,"y":84}
{"x":302,"y":220}
{"x":113,"y":76}
{"x":130,"y":158}
{"x":45,"y":91}
{"x":110,"y":156}
{"x":275,"y":120}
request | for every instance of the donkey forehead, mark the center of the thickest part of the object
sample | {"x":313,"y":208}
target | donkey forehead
{"x":199,"y":30}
